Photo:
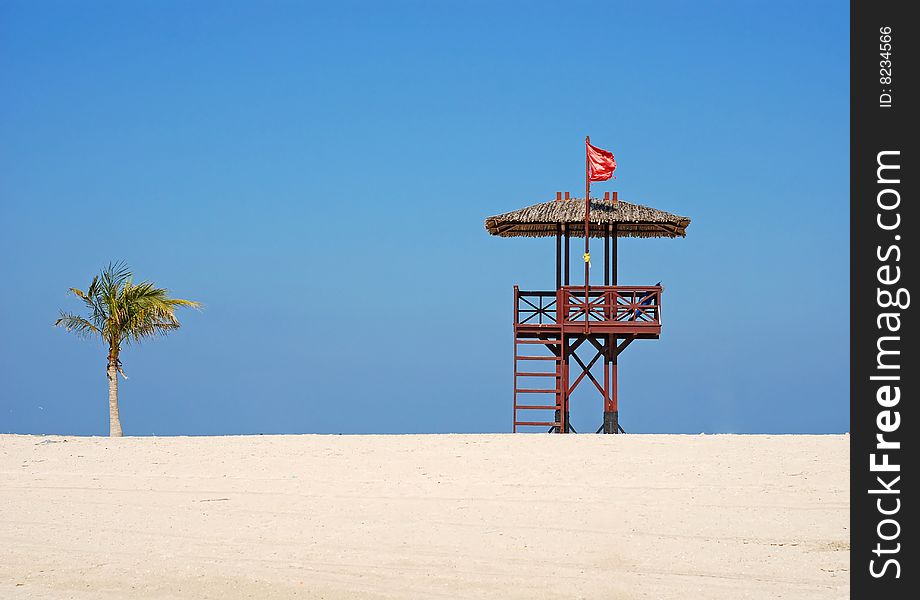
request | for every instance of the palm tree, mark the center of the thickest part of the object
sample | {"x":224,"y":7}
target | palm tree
{"x":122,"y":312}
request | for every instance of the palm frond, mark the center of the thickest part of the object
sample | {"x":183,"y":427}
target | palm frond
{"x":76,"y":324}
{"x":115,"y":275}
{"x":185,"y":303}
{"x":93,"y":289}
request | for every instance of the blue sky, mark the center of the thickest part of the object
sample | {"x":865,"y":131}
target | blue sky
{"x":317,"y":174}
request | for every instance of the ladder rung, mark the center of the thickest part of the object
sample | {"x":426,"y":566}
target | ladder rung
{"x":536,"y":358}
{"x":531,"y":391}
{"x":539,"y":423}
{"x":536,"y":374}
{"x":535,"y":407}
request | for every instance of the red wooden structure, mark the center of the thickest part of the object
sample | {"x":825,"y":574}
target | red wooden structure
{"x":561,"y":334}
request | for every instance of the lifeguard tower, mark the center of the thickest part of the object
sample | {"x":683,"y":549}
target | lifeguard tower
{"x":552,"y":326}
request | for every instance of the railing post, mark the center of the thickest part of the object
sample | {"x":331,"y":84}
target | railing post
{"x":515,"y":305}
{"x":562,"y":309}
{"x":613,"y":303}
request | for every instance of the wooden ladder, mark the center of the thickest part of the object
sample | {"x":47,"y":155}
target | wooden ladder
{"x":529,"y":396}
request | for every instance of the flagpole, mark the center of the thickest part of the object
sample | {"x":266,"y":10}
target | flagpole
{"x":587,"y":223}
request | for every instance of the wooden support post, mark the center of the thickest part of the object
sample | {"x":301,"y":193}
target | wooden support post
{"x":609,"y":342}
{"x":615,"y":396}
{"x":611,"y":414}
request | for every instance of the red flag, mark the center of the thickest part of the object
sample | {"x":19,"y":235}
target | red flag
{"x":601,"y":163}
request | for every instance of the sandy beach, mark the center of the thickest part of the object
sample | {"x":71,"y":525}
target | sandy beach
{"x":424,"y":516}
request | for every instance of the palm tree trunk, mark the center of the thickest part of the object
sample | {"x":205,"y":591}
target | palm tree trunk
{"x":114,"y":420}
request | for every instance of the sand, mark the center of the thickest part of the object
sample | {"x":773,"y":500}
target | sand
{"x":424,"y":516}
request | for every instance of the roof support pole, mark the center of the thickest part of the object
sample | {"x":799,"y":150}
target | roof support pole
{"x":565,"y":230}
{"x":607,"y":255}
{"x":616,"y":231}
{"x":613,"y":256}
{"x":558,"y":256}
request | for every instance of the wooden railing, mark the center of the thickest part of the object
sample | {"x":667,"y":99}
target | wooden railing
{"x":534,"y":308}
{"x":605,"y":305}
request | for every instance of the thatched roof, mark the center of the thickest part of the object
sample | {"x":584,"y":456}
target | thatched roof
{"x":632,"y":220}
